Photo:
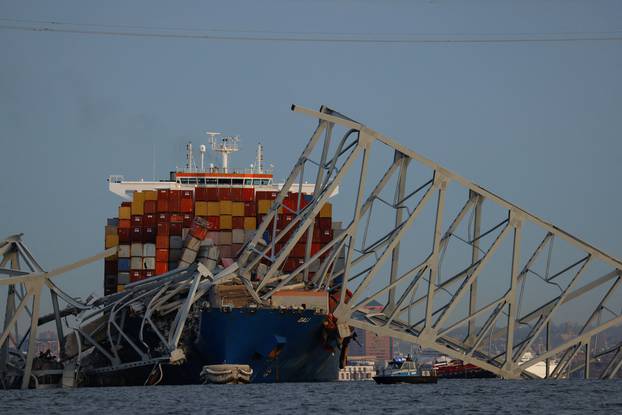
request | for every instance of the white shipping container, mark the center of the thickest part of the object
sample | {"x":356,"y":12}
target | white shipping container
{"x":207,"y":242}
{"x":136,"y":249}
{"x":210,"y":264}
{"x":149,"y":250}
{"x":136,"y":262}
{"x":188,"y":256}
{"x":237,"y":236}
{"x":124,"y":251}
{"x":184,"y":233}
{"x":149,"y":263}
{"x":193,"y":243}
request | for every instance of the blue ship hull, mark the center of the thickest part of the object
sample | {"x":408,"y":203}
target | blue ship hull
{"x":279,"y":345}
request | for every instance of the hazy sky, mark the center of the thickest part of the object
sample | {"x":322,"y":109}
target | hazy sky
{"x":538,"y":123}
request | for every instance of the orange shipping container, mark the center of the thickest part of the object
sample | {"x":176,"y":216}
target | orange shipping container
{"x":326,"y":211}
{"x":112,"y":240}
{"x":162,"y":255}
{"x":125,"y":223}
{"x":151,"y":195}
{"x":213,"y":208}
{"x":226,"y":222}
{"x":250,"y":223}
{"x":237,"y":208}
{"x":200,"y":208}
{"x":125,"y":212}
{"x":161,"y":267}
{"x":225,"y":207}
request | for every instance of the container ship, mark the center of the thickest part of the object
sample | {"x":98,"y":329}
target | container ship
{"x":290,"y":339}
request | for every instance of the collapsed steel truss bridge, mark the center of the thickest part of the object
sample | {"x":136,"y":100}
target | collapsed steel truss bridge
{"x":424,"y":256}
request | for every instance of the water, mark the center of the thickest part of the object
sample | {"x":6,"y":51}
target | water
{"x":485,"y":396}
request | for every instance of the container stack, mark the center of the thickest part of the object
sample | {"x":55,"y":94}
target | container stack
{"x":160,"y":230}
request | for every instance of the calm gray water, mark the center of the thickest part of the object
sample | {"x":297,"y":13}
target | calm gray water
{"x":488,"y":396}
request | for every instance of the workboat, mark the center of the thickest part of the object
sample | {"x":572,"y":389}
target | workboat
{"x":404,"y":370}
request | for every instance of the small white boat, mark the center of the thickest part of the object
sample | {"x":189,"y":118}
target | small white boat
{"x":225,"y":374}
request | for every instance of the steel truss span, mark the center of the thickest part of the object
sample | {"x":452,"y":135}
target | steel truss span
{"x":424,"y":255}
{"x":455,"y":267}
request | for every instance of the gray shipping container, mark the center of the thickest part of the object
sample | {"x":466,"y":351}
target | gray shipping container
{"x":174,"y":255}
{"x":124,"y":278}
{"x":175,"y":242}
{"x":136,"y":249}
{"x":149,"y":250}
{"x":237,"y":236}
{"x":123,"y":251}
{"x":225,"y":238}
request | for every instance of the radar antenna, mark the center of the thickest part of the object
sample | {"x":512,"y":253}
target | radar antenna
{"x":226,"y":146}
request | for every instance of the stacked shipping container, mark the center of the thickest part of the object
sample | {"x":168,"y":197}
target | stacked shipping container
{"x":152,"y":230}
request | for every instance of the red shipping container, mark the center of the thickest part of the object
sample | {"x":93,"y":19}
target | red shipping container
{"x":176,"y":218}
{"x":137,"y":220}
{"x":187,"y":220}
{"x":161,"y":255}
{"x":124,"y":235}
{"x":163,"y":217}
{"x":324,"y":223}
{"x":162,"y":241}
{"x":149,"y":234}
{"x":163,"y":194}
{"x":212,"y":194}
{"x":174,"y":201}
{"x":175,"y":229}
{"x":186,"y":194}
{"x":237,"y":222}
{"x":266,"y":195}
{"x":162,"y":205}
{"x":299,"y":250}
{"x":286,"y":218}
{"x":224,"y":193}
{"x":163,"y":229}
{"x":125,"y":223}
{"x":317,"y":237}
{"x":326,"y":235}
{"x":315,"y":248}
{"x":148,"y":274}
{"x":199,"y":228}
{"x":250,"y":208}
{"x":248,"y":194}
{"x":161,"y":267}
{"x":186,"y":205}
{"x":236,"y":194}
{"x":137,"y":234}
{"x":136,"y":276}
{"x":213,"y":223}
{"x":200,"y":194}
{"x":149,"y":219}
{"x":150,"y":206}
{"x":225,"y":251}
{"x":110,"y":267}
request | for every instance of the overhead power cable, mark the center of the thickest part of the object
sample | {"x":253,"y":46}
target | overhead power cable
{"x":300,"y":37}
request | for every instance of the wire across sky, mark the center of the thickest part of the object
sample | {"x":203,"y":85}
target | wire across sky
{"x":90,"y":29}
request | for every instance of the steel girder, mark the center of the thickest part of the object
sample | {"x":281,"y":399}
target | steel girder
{"x":476,"y":314}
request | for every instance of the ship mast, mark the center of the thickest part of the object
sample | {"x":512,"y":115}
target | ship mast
{"x":226,"y":146}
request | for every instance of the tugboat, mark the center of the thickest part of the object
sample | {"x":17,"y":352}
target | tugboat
{"x":404,"y":370}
